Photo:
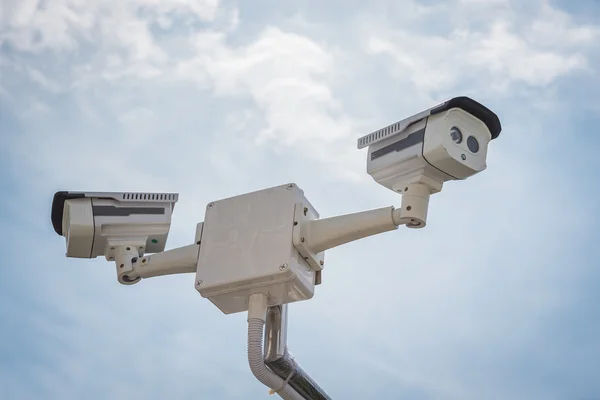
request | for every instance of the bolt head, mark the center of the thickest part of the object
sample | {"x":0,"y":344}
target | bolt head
{"x":302,"y":240}
{"x":322,"y":262}
{"x":210,"y":205}
{"x":283,"y":267}
{"x":199,"y":283}
{"x":290,"y":186}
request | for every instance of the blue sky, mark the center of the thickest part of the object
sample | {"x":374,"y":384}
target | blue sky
{"x":497,"y":298}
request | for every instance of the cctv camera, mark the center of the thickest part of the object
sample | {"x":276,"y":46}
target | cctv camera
{"x":96,"y":224}
{"x":446,"y":142}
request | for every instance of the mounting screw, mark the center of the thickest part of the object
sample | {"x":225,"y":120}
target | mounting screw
{"x":322,"y":262}
{"x":302,"y":240}
{"x":210,"y":205}
{"x":199,"y":283}
{"x":283,"y":267}
{"x":143,"y":261}
{"x":408,"y":208}
{"x":290,"y":186}
{"x":305,"y":210}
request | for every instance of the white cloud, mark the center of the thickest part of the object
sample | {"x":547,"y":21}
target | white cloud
{"x":504,"y":54}
{"x":555,"y":29}
{"x":499,"y":52}
{"x":286,"y":75}
{"x":32,"y":25}
{"x":42,"y":80}
{"x":35,"y":108}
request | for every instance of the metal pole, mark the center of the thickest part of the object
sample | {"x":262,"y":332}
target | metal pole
{"x":279,"y":360}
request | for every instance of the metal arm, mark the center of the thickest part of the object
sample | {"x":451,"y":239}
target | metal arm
{"x":322,"y":234}
{"x":177,"y":261}
{"x":316,"y":236}
{"x":131,"y":268}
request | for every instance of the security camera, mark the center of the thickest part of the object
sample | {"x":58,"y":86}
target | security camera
{"x":446,"y":142}
{"x":415,"y":156}
{"x":119,"y":226}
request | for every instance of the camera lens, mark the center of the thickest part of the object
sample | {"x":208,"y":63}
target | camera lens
{"x":456,"y":135}
{"x":472,"y":144}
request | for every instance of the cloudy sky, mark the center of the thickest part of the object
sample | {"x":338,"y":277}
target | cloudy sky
{"x":496,"y":299}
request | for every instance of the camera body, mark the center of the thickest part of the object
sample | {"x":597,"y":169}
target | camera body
{"x":446,"y":142}
{"x":95,"y":223}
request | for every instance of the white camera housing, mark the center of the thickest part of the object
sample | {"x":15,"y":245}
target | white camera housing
{"x":98,"y":223}
{"x":248,"y":247}
{"x":446,"y":142}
